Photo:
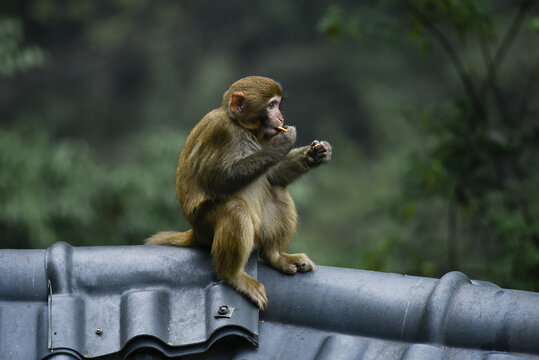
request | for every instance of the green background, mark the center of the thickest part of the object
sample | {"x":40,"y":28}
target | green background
{"x":430,"y":105}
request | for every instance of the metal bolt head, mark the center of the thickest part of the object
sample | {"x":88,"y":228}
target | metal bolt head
{"x":224,"y":311}
{"x":99,"y":331}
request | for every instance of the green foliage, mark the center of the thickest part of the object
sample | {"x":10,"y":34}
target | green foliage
{"x":332,"y":22}
{"x":481,"y":154}
{"x":15,"y":57}
{"x":533,"y":24}
{"x":55,"y":191}
{"x":435,"y":151}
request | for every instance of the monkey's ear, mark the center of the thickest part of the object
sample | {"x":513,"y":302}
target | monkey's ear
{"x":236,"y":102}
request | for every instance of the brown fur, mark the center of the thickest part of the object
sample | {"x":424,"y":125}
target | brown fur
{"x":231,"y":186}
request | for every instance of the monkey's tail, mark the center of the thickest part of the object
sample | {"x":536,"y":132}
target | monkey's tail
{"x":174,"y":238}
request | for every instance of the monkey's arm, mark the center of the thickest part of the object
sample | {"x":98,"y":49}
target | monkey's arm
{"x":299,"y":161}
{"x":230,"y":172}
{"x":291,"y":167}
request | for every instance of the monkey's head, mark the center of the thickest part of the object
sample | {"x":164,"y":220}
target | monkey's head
{"x":253,"y":102}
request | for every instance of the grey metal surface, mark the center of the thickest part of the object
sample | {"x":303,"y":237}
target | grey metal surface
{"x":283,"y":342}
{"x":114,"y":302}
{"x":100,"y":298}
{"x":451,"y":311}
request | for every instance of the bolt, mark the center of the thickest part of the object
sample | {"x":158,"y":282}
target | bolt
{"x":223,"y":309}
{"x":99,"y":331}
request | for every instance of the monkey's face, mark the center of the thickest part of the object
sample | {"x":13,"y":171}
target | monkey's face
{"x":272,"y":118}
{"x":254,"y":103}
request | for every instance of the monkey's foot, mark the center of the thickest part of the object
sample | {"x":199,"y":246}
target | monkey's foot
{"x":253,"y":289}
{"x":292,"y":263}
{"x":303,"y":263}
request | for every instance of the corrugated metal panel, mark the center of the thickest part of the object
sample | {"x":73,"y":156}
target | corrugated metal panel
{"x":354,"y":314}
{"x":165,"y":299}
{"x":283,"y":342}
{"x":451,"y":311}
{"x":100,"y":298}
{"x":23,"y":304}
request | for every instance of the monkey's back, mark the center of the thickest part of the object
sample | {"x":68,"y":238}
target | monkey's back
{"x":201,"y":160}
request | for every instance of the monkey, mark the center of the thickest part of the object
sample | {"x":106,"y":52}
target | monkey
{"x":231,"y":184}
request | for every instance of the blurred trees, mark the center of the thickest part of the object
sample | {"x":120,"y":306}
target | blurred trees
{"x":58,"y":190}
{"x":481,"y":156}
{"x":435,"y":165}
{"x":14,"y":57}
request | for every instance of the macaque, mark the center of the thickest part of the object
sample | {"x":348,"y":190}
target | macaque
{"x":231,"y":183}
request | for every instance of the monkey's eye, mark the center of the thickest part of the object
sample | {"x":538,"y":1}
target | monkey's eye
{"x":272,"y":104}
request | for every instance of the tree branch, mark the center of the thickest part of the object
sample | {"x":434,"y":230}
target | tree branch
{"x":493,"y":64}
{"x":528,"y":88}
{"x":455,"y":60}
{"x":512,"y":32}
{"x":490,"y":81}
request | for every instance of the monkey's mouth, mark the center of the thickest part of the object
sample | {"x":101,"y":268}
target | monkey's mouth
{"x":282,"y":128}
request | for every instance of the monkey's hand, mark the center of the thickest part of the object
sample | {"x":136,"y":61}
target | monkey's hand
{"x":284,"y":142}
{"x":319,"y":152}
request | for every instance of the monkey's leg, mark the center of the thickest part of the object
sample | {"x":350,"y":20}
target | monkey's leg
{"x":232,"y":244}
{"x":277,"y":231}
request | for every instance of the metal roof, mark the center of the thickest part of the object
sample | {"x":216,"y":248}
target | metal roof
{"x":154,"y":301}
